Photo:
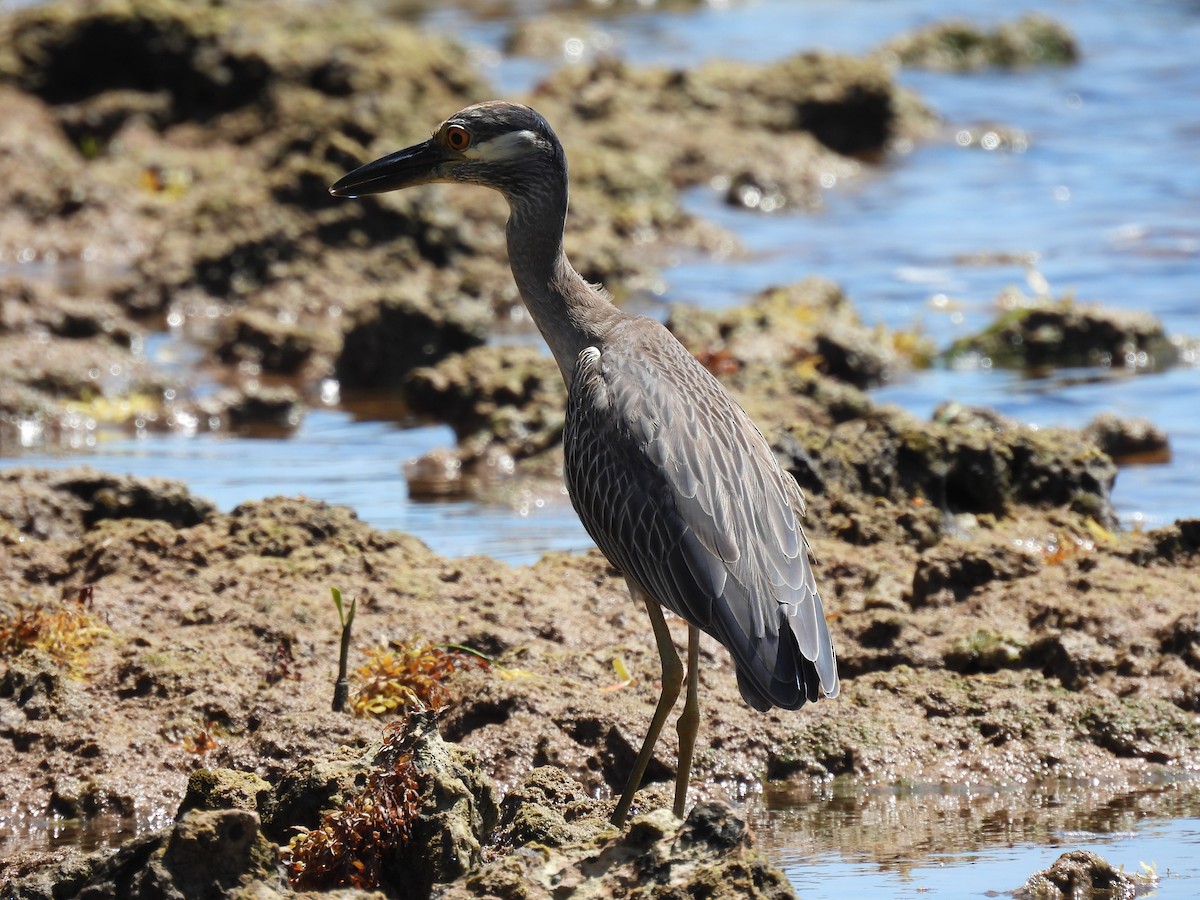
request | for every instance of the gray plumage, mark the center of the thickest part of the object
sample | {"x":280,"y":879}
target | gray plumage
{"x":669,"y":475}
{"x":682,"y":493}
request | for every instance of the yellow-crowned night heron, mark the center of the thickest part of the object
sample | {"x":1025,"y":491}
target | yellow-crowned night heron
{"x":667,"y":472}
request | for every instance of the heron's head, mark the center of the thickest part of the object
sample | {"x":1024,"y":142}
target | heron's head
{"x":499,"y":145}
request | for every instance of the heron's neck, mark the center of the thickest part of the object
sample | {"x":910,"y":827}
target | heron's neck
{"x":568,"y":311}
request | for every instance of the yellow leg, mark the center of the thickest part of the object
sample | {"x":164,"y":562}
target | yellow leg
{"x":689,"y":721}
{"x":672,"y":679}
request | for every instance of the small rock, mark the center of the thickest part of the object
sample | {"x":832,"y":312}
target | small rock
{"x":224,"y":789}
{"x":952,"y":570}
{"x":212,"y":851}
{"x":36,"y":684}
{"x":1129,"y":441}
{"x":1074,"y":658}
{"x":979,"y":418}
{"x":708,"y":855}
{"x":1080,"y":875}
{"x":128,"y":497}
{"x":1182,"y":637}
{"x":385,"y":340}
{"x":968,"y":463}
{"x":856,"y":356}
{"x":207,"y":855}
{"x":809,"y":320}
{"x":439,"y":473}
{"x":882,"y":631}
{"x":984,"y":651}
{"x":75,"y":798}
{"x":1176,"y":542}
{"x":778,"y":323}
{"x":439,"y":836}
{"x":548,"y":808}
{"x":960,"y":46}
{"x":511,"y":397}
{"x":312,"y":786}
{"x":1063,"y":334}
{"x":458,"y":807}
{"x":258,"y":336}
{"x":254,"y":406}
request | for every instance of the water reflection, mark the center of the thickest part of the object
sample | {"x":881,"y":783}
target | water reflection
{"x":846,"y":839}
{"x":22,"y":832}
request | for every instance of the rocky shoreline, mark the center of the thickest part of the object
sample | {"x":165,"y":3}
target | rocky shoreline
{"x":1028,"y":647}
{"x":166,"y":662}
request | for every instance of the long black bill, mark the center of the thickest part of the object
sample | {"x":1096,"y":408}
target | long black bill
{"x":418,"y":164}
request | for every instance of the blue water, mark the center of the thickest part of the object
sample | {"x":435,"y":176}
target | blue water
{"x":960,"y":841}
{"x":1105,"y":199}
{"x":338,"y":459}
{"x":1171,"y":847}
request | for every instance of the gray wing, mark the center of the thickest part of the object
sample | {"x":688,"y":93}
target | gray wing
{"x":681,"y":491}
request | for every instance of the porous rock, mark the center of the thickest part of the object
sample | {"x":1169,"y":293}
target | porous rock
{"x":386,"y":339}
{"x":313,"y":785}
{"x":224,"y":789}
{"x":949,"y":572}
{"x":1079,"y":875}
{"x":710,"y":852}
{"x":206,"y":855}
{"x":1129,"y":440}
{"x":71,"y":501}
{"x":809,"y":321}
{"x":549,"y":808}
{"x":1056,"y":334}
{"x":979,"y":466}
{"x":458,"y":808}
{"x":956,"y":45}
{"x":507,"y":397}
{"x":1074,"y":658}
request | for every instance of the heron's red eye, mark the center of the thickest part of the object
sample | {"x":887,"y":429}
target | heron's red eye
{"x":458,"y":137}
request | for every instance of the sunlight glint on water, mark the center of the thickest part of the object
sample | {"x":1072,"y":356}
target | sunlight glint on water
{"x":1108,"y":198}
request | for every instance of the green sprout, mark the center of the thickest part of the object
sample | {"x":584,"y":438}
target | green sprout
{"x":341,"y":690}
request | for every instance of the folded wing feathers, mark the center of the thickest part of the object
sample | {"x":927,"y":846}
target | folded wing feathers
{"x":735,"y":553}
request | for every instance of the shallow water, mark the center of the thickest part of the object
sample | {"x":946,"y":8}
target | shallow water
{"x":334,"y":457}
{"x":1169,"y":847}
{"x":1105,"y":199}
{"x":978,"y":840}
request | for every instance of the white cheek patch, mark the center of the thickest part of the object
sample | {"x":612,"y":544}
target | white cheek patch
{"x":505,"y":146}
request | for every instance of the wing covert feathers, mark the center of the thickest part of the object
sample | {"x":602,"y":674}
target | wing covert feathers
{"x":682,"y":492}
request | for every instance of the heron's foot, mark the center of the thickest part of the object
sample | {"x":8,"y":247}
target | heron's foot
{"x":656,"y":797}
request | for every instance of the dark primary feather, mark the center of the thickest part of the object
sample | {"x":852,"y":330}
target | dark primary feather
{"x":681,"y":491}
